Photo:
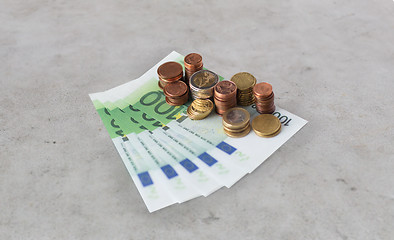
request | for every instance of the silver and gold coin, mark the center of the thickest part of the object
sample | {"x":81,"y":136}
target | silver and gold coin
{"x":236,"y":122}
{"x":202,"y":83}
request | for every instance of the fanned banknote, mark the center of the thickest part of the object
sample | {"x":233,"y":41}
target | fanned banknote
{"x":172,"y":158}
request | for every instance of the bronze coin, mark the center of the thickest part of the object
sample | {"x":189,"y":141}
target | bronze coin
{"x":225,"y":88}
{"x":193,"y":59}
{"x":262,"y":90}
{"x":175,"y":89}
{"x":170,"y":70}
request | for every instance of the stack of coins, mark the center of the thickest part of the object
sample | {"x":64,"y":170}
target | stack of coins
{"x":264,"y":98}
{"x":193,"y":63}
{"x":236,"y":122}
{"x":177,"y":93}
{"x":200,"y":109}
{"x":245,"y":83}
{"x":225,"y":96}
{"x":201,"y":84}
{"x":169,"y":72}
{"x":266,"y":125}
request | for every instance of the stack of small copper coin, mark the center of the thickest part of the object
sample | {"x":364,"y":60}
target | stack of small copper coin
{"x":169,"y":72}
{"x":236,"y":122}
{"x":225,"y":96}
{"x":193,"y":63}
{"x":264,"y":98}
{"x":177,"y":93}
{"x":245,"y":83}
{"x":202,"y":83}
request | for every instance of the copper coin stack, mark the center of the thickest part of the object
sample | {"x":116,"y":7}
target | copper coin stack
{"x":225,"y":96}
{"x":193,"y":63}
{"x":177,"y":93}
{"x":169,"y":72}
{"x":245,"y":83}
{"x":264,"y":98}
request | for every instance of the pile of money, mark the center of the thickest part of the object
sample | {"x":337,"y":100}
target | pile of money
{"x":172,"y":158}
{"x":266,"y":125}
{"x":202,"y":83}
{"x":193,"y":63}
{"x":236,"y":122}
{"x":200,"y":109}
{"x":225,"y":96}
{"x":245,"y":83}
{"x":177,"y":93}
{"x":169,"y":72}
{"x":264,"y":98}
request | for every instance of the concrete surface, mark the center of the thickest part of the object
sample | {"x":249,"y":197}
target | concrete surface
{"x":330,"y":62}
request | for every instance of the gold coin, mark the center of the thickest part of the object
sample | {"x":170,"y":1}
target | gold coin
{"x":236,"y":117}
{"x":233,"y":130}
{"x":202,"y":105}
{"x":244,"y":81}
{"x":266,"y":124}
{"x":200,"y":109}
{"x":271,"y":135}
{"x":238,"y":135}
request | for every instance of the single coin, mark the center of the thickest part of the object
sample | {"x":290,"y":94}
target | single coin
{"x":175,"y":89}
{"x":170,"y":70}
{"x":244,"y":80}
{"x":204,"y":79}
{"x":236,"y":117}
{"x":266,"y":124}
{"x":262,"y":90}
{"x":237,"y":135}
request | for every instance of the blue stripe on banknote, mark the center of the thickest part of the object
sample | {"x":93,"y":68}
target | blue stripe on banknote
{"x":145,"y":179}
{"x":227,"y":148}
{"x":169,"y":171}
{"x":208,"y":159}
{"x":188,"y":165}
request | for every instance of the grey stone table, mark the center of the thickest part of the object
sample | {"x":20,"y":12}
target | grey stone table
{"x":330,"y":62}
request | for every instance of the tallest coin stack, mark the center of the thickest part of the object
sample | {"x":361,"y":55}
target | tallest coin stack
{"x":245,"y":83}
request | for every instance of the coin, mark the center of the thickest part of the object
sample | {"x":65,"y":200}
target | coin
{"x":193,"y":59}
{"x":236,"y":117}
{"x":169,"y":70}
{"x":266,"y":125}
{"x":262,"y":90}
{"x":225,"y":93}
{"x":271,"y":135}
{"x":244,"y":80}
{"x":176,"y":89}
{"x":238,"y":134}
{"x":200,"y":109}
{"x":204,"y":79}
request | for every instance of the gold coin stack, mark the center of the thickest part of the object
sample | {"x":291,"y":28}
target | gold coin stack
{"x":200,"y":109}
{"x":245,"y":83}
{"x":266,"y":125}
{"x":236,"y":122}
{"x":193,"y":63}
{"x":202,"y":83}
